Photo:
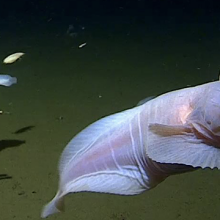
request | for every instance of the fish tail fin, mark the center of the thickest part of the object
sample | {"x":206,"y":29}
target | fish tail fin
{"x":54,"y":206}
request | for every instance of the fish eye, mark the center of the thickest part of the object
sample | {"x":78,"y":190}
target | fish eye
{"x":209,"y":122}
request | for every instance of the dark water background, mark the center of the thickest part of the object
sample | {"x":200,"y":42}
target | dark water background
{"x":135,"y":49}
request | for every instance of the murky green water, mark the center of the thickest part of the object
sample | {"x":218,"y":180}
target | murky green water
{"x":61,"y":89}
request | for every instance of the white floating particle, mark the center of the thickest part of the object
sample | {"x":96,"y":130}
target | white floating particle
{"x":82,"y":45}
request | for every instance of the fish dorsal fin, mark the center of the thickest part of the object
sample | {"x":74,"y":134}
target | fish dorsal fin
{"x":143,"y":101}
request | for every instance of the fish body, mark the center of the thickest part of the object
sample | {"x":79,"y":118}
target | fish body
{"x":134,"y":150}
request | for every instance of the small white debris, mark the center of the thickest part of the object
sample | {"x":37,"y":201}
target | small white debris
{"x":82,"y":45}
{"x":13,"y":57}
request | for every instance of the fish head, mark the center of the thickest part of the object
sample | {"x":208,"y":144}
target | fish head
{"x":205,"y":116}
{"x":196,"y":140}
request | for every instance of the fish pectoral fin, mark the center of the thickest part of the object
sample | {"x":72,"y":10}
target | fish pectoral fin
{"x":177,"y":144}
{"x":169,"y":130}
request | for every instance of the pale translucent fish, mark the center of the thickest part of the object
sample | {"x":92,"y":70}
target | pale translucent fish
{"x":132,"y":151}
{"x":6,"y":80}
{"x":13,"y":57}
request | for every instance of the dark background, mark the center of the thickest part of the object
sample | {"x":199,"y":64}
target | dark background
{"x":204,"y":10}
